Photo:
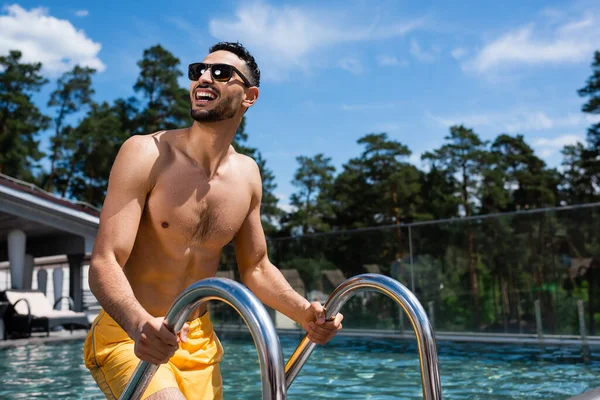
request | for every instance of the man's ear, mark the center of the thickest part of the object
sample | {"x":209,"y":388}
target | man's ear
{"x":250,"y":97}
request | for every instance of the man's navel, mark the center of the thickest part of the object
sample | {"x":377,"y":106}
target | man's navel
{"x":165,"y":224}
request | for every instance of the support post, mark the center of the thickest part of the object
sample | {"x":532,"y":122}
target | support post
{"x":585,"y":349}
{"x":16,"y":257}
{"x":410,"y":252}
{"x":431,"y":307}
{"x":538,"y":321}
{"x":28,"y":272}
{"x":76,"y":280}
{"x":57,"y":285}
{"x":42,"y":280}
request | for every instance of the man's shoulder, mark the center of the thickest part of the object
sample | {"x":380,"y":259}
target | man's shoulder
{"x":139,"y":155}
{"x":247,"y":165}
{"x":144,"y":147}
{"x":246,"y":161}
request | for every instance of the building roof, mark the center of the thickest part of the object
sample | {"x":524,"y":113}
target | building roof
{"x":29,"y":188}
{"x":52,"y":225}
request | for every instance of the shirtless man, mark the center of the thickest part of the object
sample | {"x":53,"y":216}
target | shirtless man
{"x":174,"y":200}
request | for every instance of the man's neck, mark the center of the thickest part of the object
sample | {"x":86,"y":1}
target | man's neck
{"x":208,"y":143}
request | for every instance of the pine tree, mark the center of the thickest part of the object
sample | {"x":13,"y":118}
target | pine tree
{"x":165,"y":104}
{"x":74,"y":91}
{"x":20,"y":119}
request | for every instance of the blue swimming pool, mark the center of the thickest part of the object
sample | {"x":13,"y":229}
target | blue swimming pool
{"x":344,"y":369}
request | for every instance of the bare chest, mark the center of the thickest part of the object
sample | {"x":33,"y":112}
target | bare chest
{"x":185,"y":209}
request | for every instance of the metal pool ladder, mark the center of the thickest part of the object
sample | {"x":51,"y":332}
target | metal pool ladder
{"x":430,"y":375}
{"x":254,"y":314}
{"x":274,"y":380}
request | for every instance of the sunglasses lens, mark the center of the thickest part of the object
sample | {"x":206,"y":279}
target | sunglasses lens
{"x":221,"y":72}
{"x":195,"y":71}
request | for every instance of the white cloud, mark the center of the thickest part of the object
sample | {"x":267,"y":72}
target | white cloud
{"x":390,"y":61}
{"x":459,"y":53}
{"x":546,"y":147}
{"x":517,"y":120}
{"x":82,"y":13}
{"x":42,"y":38}
{"x":422,"y":55}
{"x":351,"y":64}
{"x":579,"y":26}
{"x":284,"y":202}
{"x":530,"y":123}
{"x":556,"y":39}
{"x":415,"y":159}
{"x":284,"y":36}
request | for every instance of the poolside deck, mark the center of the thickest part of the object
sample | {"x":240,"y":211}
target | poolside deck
{"x":473,"y":337}
{"x":35,"y":339}
{"x":551,"y":340}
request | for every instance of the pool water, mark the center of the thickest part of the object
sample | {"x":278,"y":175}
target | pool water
{"x":345,"y":369}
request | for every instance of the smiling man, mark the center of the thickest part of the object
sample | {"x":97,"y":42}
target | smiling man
{"x":174,"y":200}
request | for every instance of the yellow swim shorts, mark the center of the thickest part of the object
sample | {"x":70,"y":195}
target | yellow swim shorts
{"x":194,"y":369}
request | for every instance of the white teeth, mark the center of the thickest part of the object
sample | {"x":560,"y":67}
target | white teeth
{"x":201,"y":93}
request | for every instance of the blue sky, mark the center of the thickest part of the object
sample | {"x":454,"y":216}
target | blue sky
{"x":335,"y":71}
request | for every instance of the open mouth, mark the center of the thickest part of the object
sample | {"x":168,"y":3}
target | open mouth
{"x":204,"y":96}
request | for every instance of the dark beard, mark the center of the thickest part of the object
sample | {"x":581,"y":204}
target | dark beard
{"x":221,"y":112}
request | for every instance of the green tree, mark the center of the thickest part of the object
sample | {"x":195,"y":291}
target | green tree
{"x":591,"y":91}
{"x":127,"y":111}
{"x":529,"y":182}
{"x":91,"y":148}
{"x":438,"y":191}
{"x":377,"y":188}
{"x":577,"y":183}
{"x":74,"y":91}
{"x":531,"y":185}
{"x":371,"y":189}
{"x":313,"y":177}
{"x":392,"y":176}
{"x":20,"y":119}
{"x":165,"y":104}
{"x":352,"y":197}
{"x":464,"y":156}
{"x":494,"y":191}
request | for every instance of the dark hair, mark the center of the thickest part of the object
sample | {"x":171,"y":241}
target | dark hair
{"x":239,"y":50}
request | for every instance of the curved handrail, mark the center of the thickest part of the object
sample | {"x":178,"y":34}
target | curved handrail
{"x":254,"y":314}
{"x":430,"y":376}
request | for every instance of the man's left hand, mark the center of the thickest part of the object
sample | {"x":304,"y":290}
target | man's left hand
{"x":320,"y":331}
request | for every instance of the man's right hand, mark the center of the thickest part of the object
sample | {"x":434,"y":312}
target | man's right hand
{"x":155,"y":342}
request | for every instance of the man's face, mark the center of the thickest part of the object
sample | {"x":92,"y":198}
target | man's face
{"x":226,"y":98}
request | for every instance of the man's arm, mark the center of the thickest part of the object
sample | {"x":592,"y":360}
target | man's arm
{"x":259,"y":275}
{"x":268,"y":283}
{"x":121,"y":213}
{"x":129,"y":183}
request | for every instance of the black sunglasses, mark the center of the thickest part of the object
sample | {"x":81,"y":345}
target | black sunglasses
{"x":219,"y":72}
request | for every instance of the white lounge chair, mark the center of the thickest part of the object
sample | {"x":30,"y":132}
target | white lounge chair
{"x":32,"y":311}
